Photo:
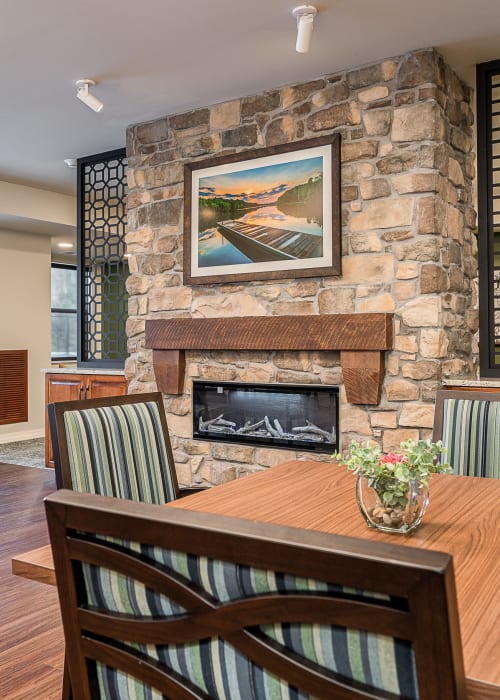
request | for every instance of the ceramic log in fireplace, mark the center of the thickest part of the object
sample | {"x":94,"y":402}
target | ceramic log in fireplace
{"x":277,"y":415}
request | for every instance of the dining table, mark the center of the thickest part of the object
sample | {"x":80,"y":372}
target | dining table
{"x":462,"y":519}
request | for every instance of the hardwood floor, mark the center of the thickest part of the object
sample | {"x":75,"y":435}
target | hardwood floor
{"x":31,"y":638}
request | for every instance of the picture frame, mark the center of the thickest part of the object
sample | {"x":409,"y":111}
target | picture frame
{"x":269,"y":213}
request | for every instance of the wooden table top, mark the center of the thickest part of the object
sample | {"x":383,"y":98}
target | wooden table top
{"x":37,"y":565}
{"x":463,"y":518}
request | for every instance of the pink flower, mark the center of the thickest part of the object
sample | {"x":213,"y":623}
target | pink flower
{"x":393,"y":458}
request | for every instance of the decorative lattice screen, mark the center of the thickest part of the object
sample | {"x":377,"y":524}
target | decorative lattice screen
{"x":495,"y":197}
{"x":488,"y":171}
{"x":103,"y":266}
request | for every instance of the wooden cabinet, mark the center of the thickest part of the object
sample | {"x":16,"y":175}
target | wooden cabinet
{"x":99,"y":385}
{"x":77,"y":387}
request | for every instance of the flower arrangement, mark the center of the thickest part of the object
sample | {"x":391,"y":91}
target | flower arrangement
{"x":397,"y":479}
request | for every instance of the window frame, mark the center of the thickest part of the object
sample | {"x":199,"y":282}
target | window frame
{"x":53,"y":310}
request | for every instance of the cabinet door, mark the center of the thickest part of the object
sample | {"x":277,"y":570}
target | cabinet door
{"x":105,"y":385}
{"x":59,"y":387}
{"x":71,"y":387}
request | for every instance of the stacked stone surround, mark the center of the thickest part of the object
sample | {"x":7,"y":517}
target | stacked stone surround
{"x":408,"y":246}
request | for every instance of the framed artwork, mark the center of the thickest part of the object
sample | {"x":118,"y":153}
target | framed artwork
{"x":271,"y":213}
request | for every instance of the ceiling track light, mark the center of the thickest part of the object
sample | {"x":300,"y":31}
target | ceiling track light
{"x":305,"y":15}
{"x":85,"y":96}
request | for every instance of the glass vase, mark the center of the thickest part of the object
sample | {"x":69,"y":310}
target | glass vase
{"x":391,"y":506}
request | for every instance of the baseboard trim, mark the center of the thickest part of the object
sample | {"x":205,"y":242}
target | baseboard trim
{"x":19,"y":437}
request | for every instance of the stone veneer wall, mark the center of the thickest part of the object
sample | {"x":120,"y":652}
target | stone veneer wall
{"x":407,"y":239}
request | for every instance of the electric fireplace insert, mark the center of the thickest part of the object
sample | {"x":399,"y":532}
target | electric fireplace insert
{"x":298,"y":417}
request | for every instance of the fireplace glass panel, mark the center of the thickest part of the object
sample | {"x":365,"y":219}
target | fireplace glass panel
{"x":303,"y":417}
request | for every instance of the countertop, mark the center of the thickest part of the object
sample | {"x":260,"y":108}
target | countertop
{"x":82,"y":370}
{"x":476,"y":383}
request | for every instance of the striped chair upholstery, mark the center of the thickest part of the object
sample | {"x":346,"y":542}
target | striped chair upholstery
{"x":203,"y":621}
{"x":215,"y":666}
{"x":468,"y":423}
{"x":115,"y":447}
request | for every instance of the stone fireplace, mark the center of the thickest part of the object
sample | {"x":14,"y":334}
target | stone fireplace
{"x":408,"y":253}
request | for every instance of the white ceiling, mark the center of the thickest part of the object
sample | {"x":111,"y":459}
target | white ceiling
{"x":158,"y":57}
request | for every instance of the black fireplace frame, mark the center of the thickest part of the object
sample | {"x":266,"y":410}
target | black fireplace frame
{"x":323,"y":392}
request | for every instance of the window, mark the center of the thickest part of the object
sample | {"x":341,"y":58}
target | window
{"x":63,"y":311}
{"x":488,"y":159}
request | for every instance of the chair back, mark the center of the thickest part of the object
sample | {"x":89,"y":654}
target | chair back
{"x":160,"y":602}
{"x":114,"y":446}
{"x":468,"y":423}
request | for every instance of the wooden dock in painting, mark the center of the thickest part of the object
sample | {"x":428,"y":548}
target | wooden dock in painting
{"x":263,"y":243}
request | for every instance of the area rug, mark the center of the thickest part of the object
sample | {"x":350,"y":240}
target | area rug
{"x":28,"y":453}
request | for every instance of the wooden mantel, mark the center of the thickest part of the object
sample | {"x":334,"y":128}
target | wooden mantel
{"x":360,"y":338}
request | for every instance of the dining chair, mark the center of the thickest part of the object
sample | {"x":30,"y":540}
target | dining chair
{"x":115,"y":446}
{"x":160,"y":602}
{"x":468,"y":423}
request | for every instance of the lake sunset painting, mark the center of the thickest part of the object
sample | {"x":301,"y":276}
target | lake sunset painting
{"x":267,"y":214}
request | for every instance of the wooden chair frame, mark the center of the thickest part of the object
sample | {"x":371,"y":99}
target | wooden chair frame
{"x":56,"y":413}
{"x":422,"y":579}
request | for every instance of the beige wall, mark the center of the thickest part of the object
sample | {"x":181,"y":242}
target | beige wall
{"x":25,"y":318}
{"x":37,"y":205}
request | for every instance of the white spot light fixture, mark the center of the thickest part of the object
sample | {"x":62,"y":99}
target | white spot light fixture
{"x":85,"y":96}
{"x":304,"y":15}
